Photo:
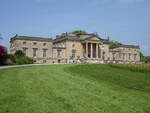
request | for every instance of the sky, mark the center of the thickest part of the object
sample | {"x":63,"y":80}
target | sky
{"x":126,"y":21}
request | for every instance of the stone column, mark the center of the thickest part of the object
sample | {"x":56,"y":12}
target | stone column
{"x":86,"y":50}
{"x":96,"y":50}
{"x":91,"y":50}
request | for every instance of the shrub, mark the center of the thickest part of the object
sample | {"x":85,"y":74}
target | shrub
{"x":23,"y":60}
{"x":3,"y":53}
{"x":11,"y":59}
{"x":19,"y":53}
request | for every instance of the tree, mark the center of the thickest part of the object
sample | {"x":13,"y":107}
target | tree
{"x":3,"y":54}
{"x":79,"y":32}
{"x":145,"y":59}
{"x":114,"y":43}
{"x":19,"y":53}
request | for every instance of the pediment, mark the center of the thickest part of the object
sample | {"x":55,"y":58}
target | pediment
{"x":93,"y":39}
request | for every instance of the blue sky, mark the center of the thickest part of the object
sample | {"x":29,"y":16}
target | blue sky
{"x":127,"y":21}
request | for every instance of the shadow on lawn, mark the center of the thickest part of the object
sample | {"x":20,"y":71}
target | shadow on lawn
{"x":116,"y":77}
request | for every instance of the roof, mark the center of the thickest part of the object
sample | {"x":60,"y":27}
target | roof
{"x":105,"y":41}
{"x":74,"y":37}
{"x":30,"y":38}
{"x":125,"y":46}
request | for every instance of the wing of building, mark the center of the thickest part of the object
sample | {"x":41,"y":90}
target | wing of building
{"x":71,"y":48}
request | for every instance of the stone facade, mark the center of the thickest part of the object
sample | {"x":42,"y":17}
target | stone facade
{"x":71,"y":48}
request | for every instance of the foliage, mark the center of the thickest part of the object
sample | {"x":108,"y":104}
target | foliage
{"x":24,"y":60}
{"x":3,"y":53}
{"x":90,"y":88}
{"x":114,"y":43}
{"x":145,"y":59}
{"x":19,"y":58}
{"x":19,"y":53}
{"x":79,"y":32}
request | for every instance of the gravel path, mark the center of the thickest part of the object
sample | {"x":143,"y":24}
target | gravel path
{"x":5,"y":67}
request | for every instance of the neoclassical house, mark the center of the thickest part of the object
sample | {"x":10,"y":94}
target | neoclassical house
{"x":72,"y":48}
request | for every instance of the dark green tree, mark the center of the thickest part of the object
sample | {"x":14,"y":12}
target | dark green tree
{"x":114,"y":43}
{"x":19,"y":53}
{"x":79,"y":32}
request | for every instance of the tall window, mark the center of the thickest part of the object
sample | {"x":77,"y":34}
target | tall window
{"x":58,"y":53}
{"x":24,"y":50}
{"x":129,"y":56}
{"x":135,"y":55}
{"x":44,"y":52}
{"x":123,"y":56}
{"x":73,"y":53}
{"x":113,"y":56}
{"x":34,"y":52}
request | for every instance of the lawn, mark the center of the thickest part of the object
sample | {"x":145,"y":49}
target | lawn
{"x":83,"y":88}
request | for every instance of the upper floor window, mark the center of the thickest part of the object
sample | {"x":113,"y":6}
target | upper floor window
{"x":44,"y":52}
{"x":34,"y":43}
{"x":24,"y":50}
{"x":11,"y":45}
{"x":73,"y":45}
{"x":44,"y":44}
{"x":35,"y":52}
{"x":24,"y":43}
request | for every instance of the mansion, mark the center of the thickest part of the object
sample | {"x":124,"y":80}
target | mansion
{"x":72,"y":48}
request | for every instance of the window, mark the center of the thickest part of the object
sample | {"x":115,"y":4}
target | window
{"x":44,"y":61}
{"x":34,"y":52}
{"x":24,"y":43}
{"x":24,"y":50}
{"x":73,"y":45}
{"x":44,"y":44}
{"x":73,"y":53}
{"x":119,"y":55}
{"x":44,"y":52}
{"x":34,"y":43}
{"x":123,"y":56}
{"x":58,"y":53}
{"x":113,"y":56}
{"x":11,"y":45}
{"x":135,"y":55}
{"x":129,"y":56}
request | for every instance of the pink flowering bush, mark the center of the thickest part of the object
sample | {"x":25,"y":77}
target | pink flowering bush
{"x":3,"y":54}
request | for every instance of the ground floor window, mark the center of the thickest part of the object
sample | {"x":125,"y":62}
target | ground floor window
{"x":59,"y":61}
{"x":44,"y":61}
{"x":73,"y":53}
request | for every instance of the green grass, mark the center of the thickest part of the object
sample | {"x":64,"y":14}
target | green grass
{"x":90,"y":88}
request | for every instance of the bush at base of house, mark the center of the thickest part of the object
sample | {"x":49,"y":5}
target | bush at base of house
{"x":23,"y":60}
{"x":3,"y":53}
{"x":18,"y":58}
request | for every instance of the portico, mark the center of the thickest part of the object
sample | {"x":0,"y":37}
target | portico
{"x":92,"y":50}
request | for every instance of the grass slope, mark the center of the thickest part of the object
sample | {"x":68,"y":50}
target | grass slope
{"x":90,"y":88}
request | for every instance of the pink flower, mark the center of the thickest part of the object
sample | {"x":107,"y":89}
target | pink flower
{"x":3,"y":51}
